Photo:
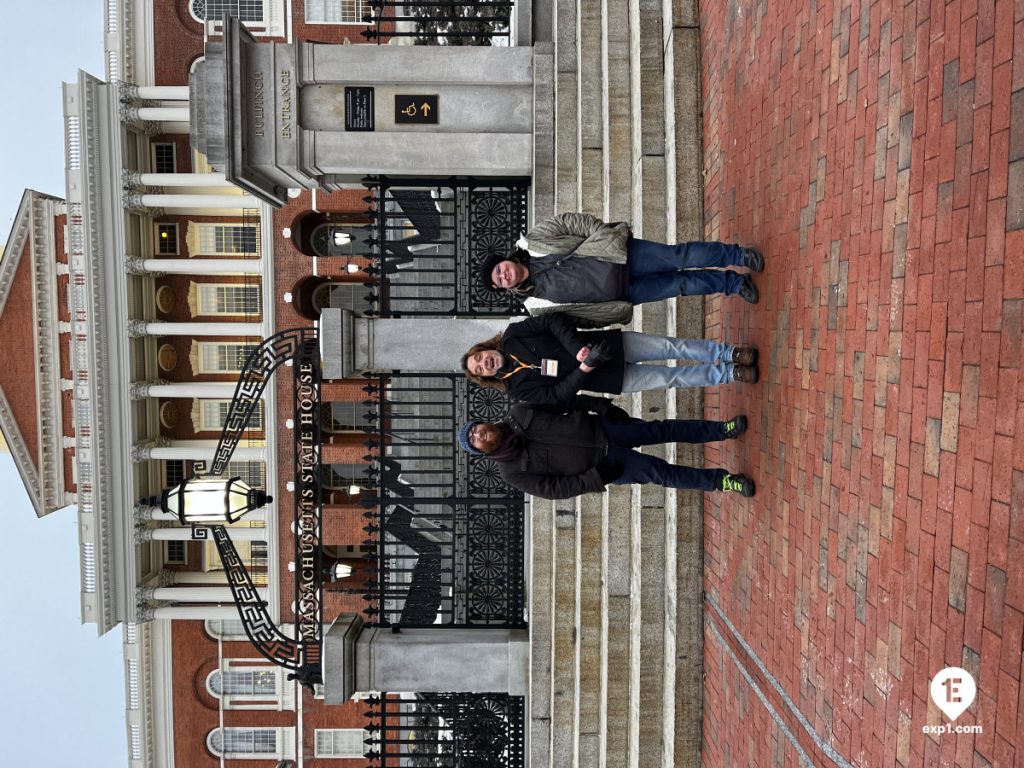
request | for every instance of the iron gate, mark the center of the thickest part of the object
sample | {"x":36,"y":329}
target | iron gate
{"x":441,"y":22}
{"x":447,"y":533}
{"x":430,"y":237}
{"x":448,"y":730}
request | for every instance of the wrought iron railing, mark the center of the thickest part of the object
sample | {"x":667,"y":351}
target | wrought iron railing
{"x":446,"y":533}
{"x":447,"y":730}
{"x":431,"y":237}
{"x":441,"y":22}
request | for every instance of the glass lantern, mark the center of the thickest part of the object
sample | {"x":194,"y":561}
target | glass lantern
{"x":212,"y":501}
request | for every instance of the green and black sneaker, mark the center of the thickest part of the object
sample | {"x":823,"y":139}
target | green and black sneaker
{"x":736,"y":484}
{"x":734,"y":427}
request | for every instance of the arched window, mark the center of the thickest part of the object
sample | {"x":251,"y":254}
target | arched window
{"x":350,"y":296}
{"x":242,"y":743}
{"x":340,"y":240}
{"x":245,"y":682}
{"x":214,"y":10}
{"x":226,"y":629}
{"x":343,"y":476}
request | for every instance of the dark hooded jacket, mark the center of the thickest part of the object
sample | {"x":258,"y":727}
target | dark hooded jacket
{"x":561,"y":452}
{"x":554,"y":336}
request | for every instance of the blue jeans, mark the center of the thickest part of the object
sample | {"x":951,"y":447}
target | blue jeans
{"x":658,"y":271}
{"x":641,"y":468}
{"x":712,"y":368}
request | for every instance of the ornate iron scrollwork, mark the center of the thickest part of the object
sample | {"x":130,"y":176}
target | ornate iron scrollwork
{"x":301,"y":655}
{"x":448,"y":730}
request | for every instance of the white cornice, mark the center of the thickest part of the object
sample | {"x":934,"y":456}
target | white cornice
{"x":45,"y":303}
{"x":100,"y":357}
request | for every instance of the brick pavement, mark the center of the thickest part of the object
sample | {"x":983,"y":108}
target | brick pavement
{"x":875,"y":151}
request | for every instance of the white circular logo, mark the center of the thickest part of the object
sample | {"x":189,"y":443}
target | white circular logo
{"x":953,"y":691}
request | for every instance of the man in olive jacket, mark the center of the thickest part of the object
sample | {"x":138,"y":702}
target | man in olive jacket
{"x":557,"y":455}
{"x":596,"y":272}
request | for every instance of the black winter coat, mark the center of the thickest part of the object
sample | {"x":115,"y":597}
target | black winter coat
{"x":554,"y":336}
{"x":561,"y":454}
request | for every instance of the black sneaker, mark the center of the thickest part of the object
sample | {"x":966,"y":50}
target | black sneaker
{"x":736,"y":484}
{"x":744,"y":356}
{"x":745,"y":373}
{"x":748,"y":291}
{"x":753,"y":260}
{"x":734,"y":427}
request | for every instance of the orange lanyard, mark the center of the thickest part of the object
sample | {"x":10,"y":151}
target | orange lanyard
{"x":522,"y":366}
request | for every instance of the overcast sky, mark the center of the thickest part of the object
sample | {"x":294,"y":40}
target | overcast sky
{"x":63,"y":689}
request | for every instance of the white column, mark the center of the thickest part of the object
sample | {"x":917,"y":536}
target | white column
{"x":196,"y":612}
{"x":138,"y":328}
{"x":196,"y":450}
{"x":182,"y":180}
{"x":198,"y":577}
{"x":198,"y":594}
{"x":216,"y":390}
{"x":195,"y":266}
{"x":174,"y":202}
{"x":181,"y":533}
{"x":179,"y":114}
{"x":161,"y":92}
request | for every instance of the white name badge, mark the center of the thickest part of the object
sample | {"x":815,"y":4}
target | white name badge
{"x":548,"y":367}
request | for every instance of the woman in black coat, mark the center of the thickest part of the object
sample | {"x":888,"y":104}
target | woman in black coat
{"x":541,"y":360}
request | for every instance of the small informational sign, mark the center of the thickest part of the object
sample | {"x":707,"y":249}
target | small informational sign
{"x":416,"y":109}
{"x":358,"y":108}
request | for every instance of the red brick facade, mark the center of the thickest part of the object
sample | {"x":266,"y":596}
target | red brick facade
{"x":179,"y":42}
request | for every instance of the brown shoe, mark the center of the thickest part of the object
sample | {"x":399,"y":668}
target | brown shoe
{"x":745,"y":373}
{"x":744,"y":356}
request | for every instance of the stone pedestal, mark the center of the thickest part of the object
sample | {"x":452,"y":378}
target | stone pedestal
{"x":277,"y":115}
{"x":457,"y":660}
{"x":350,"y":345}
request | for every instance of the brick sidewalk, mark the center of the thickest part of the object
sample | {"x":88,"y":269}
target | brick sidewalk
{"x":868,"y":149}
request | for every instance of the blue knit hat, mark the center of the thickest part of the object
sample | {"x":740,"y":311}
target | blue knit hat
{"x":463,"y":437}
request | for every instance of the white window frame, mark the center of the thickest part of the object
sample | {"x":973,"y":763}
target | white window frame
{"x":211,"y":238}
{"x":271,"y":25}
{"x":235,"y":629}
{"x":283,"y":743}
{"x":351,"y":12}
{"x":326,"y":742}
{"x":211,"y":350}
{"x":213,"y":414}
{"x":174,"y":155}
{"x":252,"y":472}
{"x":156,"y":238}
{"x":239,"y":299}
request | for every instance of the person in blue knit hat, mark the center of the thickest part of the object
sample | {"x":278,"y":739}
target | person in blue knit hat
{"x":560,"y":455}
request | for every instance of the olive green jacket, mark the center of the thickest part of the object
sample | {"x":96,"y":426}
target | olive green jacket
{"x":588,"y":237}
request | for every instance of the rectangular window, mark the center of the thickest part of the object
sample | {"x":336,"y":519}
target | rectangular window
{"x":340,"y":742}
{"x":343,"y":417}
{"x":336,"y":11}
{"x":223,"y":357}
{"x":164,"y":160}
{"x":174,"y":472}
{"x":252,"y":472}
{"x":214,"y":413}
{"x":219,"y":299}
{"x":175,"y":552}
{"x":167,"y":239}
{"x":225,"y":239}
